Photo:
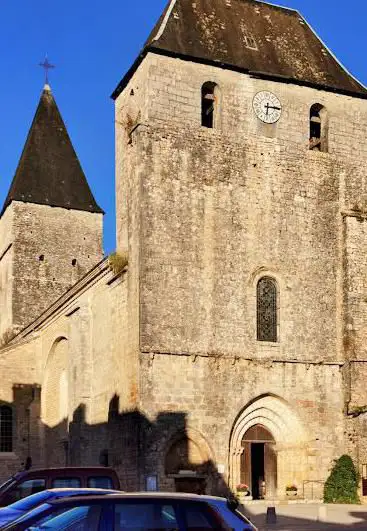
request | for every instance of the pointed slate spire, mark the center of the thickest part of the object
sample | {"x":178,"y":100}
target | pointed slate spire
{"x":49,"y":172}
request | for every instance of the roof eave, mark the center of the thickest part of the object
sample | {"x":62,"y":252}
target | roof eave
{"x":129,"y":74}
{"x":227,"y":66}
{"x":96,"y":210}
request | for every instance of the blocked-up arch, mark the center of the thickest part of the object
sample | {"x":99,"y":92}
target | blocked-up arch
{"x":283,"y":423}
{"x":55,"y":384}
{"x":54,"y":403}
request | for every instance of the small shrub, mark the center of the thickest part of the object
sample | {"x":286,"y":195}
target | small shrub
{"x":342,"y":484}
{"x":118,"y":262}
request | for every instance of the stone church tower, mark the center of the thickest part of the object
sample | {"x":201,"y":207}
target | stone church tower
{"x":234,"y":344}
{"x":241,"y":193}
{"x":51,"y":225}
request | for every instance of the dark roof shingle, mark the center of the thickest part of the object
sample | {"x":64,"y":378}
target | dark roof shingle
{"x":49,"y":172}
{"x":251,"y":36}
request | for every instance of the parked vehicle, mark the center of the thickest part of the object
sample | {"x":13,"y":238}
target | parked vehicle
{"x":35,"y":480}
{"x":134,"y":511}
{"x":16,"y":510}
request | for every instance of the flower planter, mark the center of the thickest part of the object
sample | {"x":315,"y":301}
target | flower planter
{"x":244,"y":497}
{"x":291,"y":493}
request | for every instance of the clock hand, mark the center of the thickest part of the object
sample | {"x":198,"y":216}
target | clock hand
{"x":276,"y":108}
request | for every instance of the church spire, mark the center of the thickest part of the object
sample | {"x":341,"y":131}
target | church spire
{"x":49,"y":172}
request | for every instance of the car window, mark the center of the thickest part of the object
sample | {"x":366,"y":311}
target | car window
{"x":196,"y":517}
{"x":233,"y":518}
{"x":144,"y":516}
{"x":100,"y":482}
{"x":26,"y":488}
{"x":31,"y":501}
{"x":201,"y":517}
{"x":83,"y":518}
{"x":64,"y":483}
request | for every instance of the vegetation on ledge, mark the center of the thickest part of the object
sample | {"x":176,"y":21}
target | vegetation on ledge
{"x":118,"y":262}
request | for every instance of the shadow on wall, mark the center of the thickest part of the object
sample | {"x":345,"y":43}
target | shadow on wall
{"x":163,"y":454}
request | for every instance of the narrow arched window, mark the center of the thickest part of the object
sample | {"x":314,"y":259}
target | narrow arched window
{"x":209,"y":104}
{"x":6,"y":429}
{"x":267,"y":321}
{"x":318,"y":128}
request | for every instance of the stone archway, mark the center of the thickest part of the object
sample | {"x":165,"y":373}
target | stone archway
{"x":187,"y":461}
{"x":284,"y":440}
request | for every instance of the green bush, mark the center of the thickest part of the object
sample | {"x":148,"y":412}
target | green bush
{"x":342,"y":484}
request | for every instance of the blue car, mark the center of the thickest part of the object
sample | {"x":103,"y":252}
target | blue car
{"x":139,"y":511}
{"x":19,"y":508}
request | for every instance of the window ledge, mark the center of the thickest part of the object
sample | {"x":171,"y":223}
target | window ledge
{"x":8,"y":455}
{"x":268,"y":344}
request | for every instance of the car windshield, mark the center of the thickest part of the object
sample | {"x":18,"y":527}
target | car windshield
{"x":71,"y":519}
{"x":40,"y":509}
{"x":26,"y":504}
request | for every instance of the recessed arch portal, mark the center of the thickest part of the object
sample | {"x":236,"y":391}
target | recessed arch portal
{"x":271,"y":422}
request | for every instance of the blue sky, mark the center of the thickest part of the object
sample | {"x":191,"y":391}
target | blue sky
{"x":93,"y":43}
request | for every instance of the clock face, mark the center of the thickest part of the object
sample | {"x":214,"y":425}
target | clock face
{"x":267,"y":107}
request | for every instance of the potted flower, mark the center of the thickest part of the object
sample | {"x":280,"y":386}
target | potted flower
{"x":291,"y":490}
{"x":243,"y":492}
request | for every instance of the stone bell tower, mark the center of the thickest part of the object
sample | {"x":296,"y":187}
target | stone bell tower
{"x":241,"y":157}
{"x":50,"y":226}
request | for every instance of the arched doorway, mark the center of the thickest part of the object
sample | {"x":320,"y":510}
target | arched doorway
{"x":259,"y":462}
{"x":272,"y":424}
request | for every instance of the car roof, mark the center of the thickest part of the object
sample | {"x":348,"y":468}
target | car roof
{"x":63,"y":490}
{"x":146,"y":496}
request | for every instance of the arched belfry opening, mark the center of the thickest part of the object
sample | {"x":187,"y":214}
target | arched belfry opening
{"x":318,"y":128}
{"x":267,"y":448}
{"x":258,"y":461}
{"x":209,"y":105}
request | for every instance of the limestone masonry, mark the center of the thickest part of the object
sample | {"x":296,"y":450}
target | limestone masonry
{"x":232,"y":347}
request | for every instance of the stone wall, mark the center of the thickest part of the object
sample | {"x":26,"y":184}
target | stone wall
{"x":208,"y":394}
{"x":6,"y":273}
{"x":77,"y":357}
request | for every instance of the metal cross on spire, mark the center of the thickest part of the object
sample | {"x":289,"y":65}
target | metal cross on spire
{"x":47,"y":66}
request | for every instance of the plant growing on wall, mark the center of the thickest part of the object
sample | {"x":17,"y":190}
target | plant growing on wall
{"x":118,"y":262}
{"x":7,"y":336}
{"x":342,"y":484}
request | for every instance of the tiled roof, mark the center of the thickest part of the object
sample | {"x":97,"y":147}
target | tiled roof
{"x":251,"y":36}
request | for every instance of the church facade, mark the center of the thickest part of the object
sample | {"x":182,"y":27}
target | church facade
{"x":225,"y":341}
